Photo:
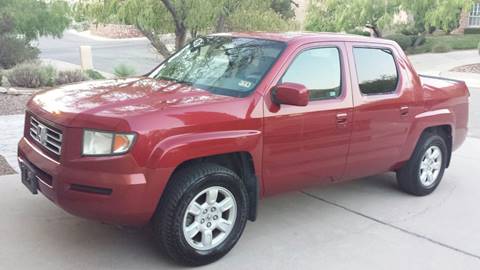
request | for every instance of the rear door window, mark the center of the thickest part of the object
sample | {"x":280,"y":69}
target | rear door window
{"x":376,"y":70}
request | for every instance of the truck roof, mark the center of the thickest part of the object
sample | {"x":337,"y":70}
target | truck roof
{"x":304,"y":37}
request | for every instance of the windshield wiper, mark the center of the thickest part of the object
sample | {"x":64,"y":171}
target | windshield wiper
{"x":174,"y":80}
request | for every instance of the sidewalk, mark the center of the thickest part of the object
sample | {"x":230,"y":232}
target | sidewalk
{"x":440,"y":64}
{"x":10,"y":135}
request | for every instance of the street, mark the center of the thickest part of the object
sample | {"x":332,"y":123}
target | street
{"x":106,"y":54}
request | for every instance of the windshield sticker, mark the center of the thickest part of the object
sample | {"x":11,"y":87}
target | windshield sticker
{"x":245,"y":84}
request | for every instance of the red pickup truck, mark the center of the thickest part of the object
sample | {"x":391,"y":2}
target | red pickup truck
{"x":231,"y":118}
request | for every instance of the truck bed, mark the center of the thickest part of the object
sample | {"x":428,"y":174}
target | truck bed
{"x":435,"y":82}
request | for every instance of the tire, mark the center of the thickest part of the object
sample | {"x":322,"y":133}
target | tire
{"x":422,"y":174}
{"x":178,"y":213}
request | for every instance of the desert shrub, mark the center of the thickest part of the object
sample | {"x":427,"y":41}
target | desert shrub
{"x":81,"y":26}
{"x":455,"y":42}
{"x":408,"y":29}
{"x":31,"y":75}
{"x":15,"y":50}
{"x":418,"y":40}
{"x":441,"y":48}
{"x":48,"y":75}
{"x":70,"y":76}
{"x":403,"y":41}
{"x":439,"y":32}
{"x":94,"y":75}
{"x":123,"y":71}
{"x":471,"y":31}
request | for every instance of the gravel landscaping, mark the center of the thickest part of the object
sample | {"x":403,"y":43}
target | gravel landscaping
{"x":474,"y":68}
{"x":5,"y":168}
{"x":13,"y":104}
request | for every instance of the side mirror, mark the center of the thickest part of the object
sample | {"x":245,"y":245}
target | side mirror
{"x":291,"y":94}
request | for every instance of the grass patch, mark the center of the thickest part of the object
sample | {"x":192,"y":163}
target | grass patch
{"x":455,"y":42}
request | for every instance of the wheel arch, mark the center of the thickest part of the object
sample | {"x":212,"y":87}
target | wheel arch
{"x":445,"y":131}
{"x":239,"y":151}
{"x":242,"y":164}
{"x":440,"y":121}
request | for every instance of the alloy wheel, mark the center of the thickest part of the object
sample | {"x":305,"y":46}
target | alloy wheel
{"x":209,"y":218}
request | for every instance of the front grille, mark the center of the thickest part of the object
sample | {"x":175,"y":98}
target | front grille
{"x":46,"y":136}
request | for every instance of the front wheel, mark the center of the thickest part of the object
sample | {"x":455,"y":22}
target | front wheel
{"x":423,"y":172}
{"x":202,"y":215}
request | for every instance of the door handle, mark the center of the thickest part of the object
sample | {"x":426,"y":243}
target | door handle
{"x":404,"y":110}
{"x":342,"y":118}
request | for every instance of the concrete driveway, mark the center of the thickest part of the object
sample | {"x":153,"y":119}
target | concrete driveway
{"x":365,"y":224}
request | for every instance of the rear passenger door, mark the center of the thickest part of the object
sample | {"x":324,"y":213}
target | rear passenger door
{"x":383,"y":100}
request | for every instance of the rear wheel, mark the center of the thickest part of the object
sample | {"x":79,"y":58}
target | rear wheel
{"x":424,"y":171}
{"x":202,"y":214}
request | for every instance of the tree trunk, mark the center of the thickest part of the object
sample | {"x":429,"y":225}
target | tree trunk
{"x":220,"y":24}
{"x":194,"y":33}
{"x":180,"y":38}
{"x":376,"y":31}
{"x":155,"y":41}
{"x":179,"y":20}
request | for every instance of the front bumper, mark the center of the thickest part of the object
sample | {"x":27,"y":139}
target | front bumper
{"x":91,"y":191}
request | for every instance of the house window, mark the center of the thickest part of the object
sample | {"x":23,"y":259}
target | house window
{"x":474,"y":19}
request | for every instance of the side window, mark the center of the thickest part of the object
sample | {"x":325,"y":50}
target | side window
{"x":376,"y":70}
{"x":319,"y":70}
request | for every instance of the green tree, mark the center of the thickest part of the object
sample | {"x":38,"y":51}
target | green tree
{"x":339,"y":15}
{"x":284,"y":8}
{"x":183,"y":17}
{"x":33,"y":18}
{"x":22,"y":21}
{"x":429,"y":15}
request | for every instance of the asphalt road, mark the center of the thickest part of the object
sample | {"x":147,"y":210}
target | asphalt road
{"x":138,"y":54}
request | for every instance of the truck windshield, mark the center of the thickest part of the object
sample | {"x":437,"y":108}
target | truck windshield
{"x":224,"y":65}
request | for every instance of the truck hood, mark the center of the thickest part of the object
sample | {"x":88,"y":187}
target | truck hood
{"x":115,"y":99}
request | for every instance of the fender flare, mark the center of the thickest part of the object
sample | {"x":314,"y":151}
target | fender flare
{"x":170,"y":153}
{"x":423,"y":121}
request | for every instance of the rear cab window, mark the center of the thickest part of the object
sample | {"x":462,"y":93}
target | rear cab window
{"x":376,"y":70}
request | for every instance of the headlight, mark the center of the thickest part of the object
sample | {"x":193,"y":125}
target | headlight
{"x":106,"y":143}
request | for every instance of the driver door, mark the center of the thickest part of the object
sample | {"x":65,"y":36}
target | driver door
{"x":309,"y":145}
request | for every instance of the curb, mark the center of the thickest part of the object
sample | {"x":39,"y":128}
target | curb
{"x":16,"y":92}
{"x":87,"y":34}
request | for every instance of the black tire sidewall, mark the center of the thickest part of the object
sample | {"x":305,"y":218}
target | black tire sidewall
{"x":236,"y":187}
{"x":432,"y":140}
